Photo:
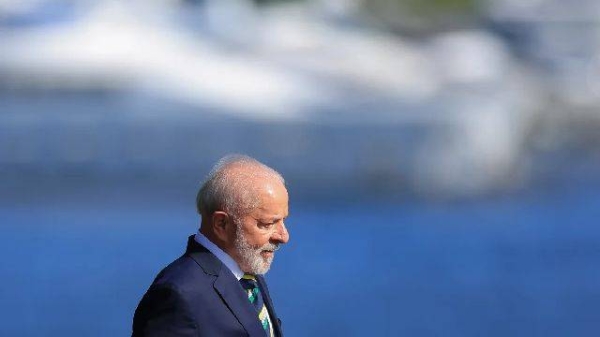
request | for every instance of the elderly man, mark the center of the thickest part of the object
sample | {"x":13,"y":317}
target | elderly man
{"x":216,"y":288}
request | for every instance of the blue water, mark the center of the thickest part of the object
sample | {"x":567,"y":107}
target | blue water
{"x":522,"y":266}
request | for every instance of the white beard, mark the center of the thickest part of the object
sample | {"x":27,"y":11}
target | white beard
{"x":251,"y":257}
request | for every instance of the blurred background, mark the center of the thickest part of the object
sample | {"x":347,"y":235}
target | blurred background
{"x":442,"y":157}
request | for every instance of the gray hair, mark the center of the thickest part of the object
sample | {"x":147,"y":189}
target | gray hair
{"x":229,"y":186}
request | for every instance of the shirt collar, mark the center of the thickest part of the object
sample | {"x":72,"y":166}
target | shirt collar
{"x":220,"y":254}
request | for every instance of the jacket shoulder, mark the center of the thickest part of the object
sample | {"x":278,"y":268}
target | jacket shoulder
{"x":182,"y":274}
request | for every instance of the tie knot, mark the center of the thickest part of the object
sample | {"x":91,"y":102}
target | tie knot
{"x":248,"y":282}
{"x":249,"y":277}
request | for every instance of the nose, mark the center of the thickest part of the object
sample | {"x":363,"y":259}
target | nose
{"x":281,"y":234}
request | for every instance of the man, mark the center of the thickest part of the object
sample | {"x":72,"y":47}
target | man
{"x":216,"y":288}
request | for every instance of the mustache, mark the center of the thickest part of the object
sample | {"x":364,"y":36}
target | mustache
{"x":270,"y":246}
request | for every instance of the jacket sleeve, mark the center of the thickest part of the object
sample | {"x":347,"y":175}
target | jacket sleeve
{"x":163,"y":312}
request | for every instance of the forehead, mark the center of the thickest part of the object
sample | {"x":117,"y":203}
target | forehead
{"x":272,"y":201}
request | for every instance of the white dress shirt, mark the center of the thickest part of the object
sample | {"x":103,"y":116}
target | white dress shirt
{"x":220,"y":254}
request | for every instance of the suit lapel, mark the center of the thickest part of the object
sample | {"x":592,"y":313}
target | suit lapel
{"x":236,"y":299}
{"x":228,"y":288}
{"x":274,"y":319}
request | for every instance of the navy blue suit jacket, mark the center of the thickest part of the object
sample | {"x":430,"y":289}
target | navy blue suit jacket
{"x":197,"y":295}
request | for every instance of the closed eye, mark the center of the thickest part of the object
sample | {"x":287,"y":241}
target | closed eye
{"x":267,"y":224}
{"x":270,"y":223}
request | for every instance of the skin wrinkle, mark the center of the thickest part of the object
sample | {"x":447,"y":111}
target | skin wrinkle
{"x":251,"y":256}
{"x":243,"y":204}
{"x":251,"y":240}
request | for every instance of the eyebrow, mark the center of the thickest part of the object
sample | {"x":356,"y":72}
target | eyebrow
{"x":273,"y":219}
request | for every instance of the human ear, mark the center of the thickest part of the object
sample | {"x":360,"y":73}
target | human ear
{"x":221,"y":221}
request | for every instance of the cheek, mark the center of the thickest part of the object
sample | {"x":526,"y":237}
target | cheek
{"x":258,"y":239}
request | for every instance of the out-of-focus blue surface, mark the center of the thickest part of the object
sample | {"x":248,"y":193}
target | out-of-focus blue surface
{"x":524,"y":266}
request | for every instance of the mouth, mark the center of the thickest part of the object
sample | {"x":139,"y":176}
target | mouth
{"x":267,"y":253}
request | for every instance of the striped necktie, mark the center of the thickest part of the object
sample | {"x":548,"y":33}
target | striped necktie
{"x":249,"y":284}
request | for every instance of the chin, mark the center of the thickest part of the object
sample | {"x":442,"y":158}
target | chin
{"x":257,"y":264}
{"x":263,"y":268}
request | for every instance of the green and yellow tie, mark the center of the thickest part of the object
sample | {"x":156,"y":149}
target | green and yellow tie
{"x":254,"y":296}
